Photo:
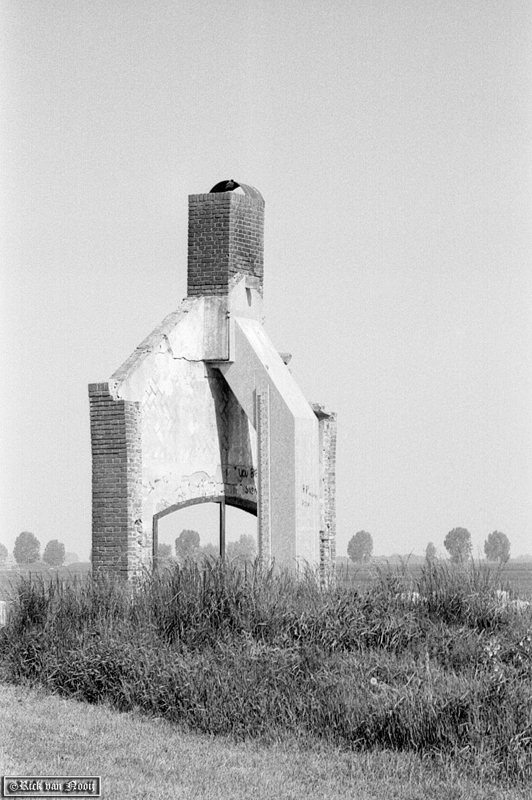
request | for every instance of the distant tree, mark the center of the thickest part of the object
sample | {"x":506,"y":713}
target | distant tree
{"x":243,"y":550}
{"x":187,"y":544}
{"x":3,"y":554}
{"x":210,"y":551}
{"x":54,"y":553}
{"x":360,"y":546}
{"x":497,"y":547}
{"x":71,"y":558}
{"x":430,"y":552}
{"x":27,"y":548}
{"x":458,"y":545}
{"x":164,"y":551}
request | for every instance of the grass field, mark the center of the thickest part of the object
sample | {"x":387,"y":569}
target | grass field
{"x":439,"y":677}
{"x":140,"y":758}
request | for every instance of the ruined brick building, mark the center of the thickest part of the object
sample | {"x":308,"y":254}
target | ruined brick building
{"x":206,"y":410}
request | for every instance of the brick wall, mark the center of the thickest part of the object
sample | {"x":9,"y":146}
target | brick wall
{"x":327,"y":426}
{"x":117,"y":538}
{"x":329,"y":482}
{"x":225,"y":238}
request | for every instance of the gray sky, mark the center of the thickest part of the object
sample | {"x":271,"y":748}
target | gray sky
{"x":391,"y":141}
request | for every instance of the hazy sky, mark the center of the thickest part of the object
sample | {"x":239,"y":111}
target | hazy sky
{"x":391,"y":142}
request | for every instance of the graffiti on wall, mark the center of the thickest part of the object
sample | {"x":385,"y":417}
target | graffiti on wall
{"x":241,"y":481}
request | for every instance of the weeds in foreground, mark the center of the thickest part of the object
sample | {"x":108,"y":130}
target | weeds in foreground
{"x":437,"y":667}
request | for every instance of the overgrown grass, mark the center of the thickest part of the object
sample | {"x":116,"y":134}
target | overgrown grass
{"x":445,"y":671}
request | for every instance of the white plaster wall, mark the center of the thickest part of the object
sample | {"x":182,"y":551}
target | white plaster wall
{"x":294,"y":440}
{"x":183,"y":457}
{"x":198,"y":435}
{"x":307,"y":491}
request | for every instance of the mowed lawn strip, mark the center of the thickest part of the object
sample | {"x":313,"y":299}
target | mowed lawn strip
{"x":149,"y":759}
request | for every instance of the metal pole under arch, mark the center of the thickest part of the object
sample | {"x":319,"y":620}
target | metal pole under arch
{"x":222,"y":528}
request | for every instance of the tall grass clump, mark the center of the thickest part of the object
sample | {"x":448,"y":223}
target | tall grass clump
{"x":430,"y":663}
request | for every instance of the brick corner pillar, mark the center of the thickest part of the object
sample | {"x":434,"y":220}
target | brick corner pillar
{"x":118,"y":541}
{"x":225,"y":239}
{"x":327,"y":428}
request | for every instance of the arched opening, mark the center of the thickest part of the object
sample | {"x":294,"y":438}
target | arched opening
{"x":226,"y":526}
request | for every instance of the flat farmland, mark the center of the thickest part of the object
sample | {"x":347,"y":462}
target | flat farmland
{"x":9,"y":577}
{"x":515,"y":576}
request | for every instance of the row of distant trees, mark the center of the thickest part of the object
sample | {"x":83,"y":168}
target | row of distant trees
{"x":457,"y":543}
{"x":459,"y":546}
{"x":27,"y":550}
{"x":188,"y":546}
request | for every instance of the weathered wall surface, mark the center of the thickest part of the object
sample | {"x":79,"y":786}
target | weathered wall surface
{"x":196,"y":439}
{"x":294,"y":441}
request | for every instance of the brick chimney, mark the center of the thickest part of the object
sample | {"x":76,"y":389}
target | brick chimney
{"x":225,"y":238}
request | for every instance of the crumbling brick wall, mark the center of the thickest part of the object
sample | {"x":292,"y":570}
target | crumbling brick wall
{"x":116,"y":483}
{"x":327,"y":428}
